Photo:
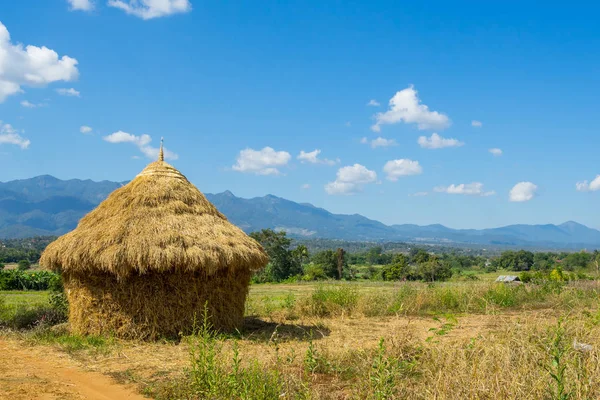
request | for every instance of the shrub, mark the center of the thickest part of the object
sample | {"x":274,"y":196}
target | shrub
{"x":23,"y":265}
{"x":313,"y":273}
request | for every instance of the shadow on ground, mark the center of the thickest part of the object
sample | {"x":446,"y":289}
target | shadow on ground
{"x":255,"y":329}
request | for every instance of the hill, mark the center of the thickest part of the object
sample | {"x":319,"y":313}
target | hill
{"x":45,"y":205}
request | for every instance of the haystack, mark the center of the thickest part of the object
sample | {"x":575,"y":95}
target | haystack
{"x":150,"y":259}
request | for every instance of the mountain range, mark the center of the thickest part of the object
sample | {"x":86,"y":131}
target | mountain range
{"x":45,"y":205}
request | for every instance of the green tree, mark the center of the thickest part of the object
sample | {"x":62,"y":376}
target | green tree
{"x":434,"y":270}
{"x":397,"y":270}
{"x":419,"y":256}
{"x":23,"y":265}
{"x":282,"y":261}
{"x":329,"y":260}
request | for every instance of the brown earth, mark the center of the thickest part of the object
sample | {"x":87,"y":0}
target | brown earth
{"x":35,"y":373}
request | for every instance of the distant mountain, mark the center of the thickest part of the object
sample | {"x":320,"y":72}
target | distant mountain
{"x":45,"y":205}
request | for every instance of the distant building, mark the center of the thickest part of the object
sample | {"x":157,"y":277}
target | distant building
{"x":508,"y":278}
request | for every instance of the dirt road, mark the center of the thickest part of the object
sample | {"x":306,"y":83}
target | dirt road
{"x":28,"y":373}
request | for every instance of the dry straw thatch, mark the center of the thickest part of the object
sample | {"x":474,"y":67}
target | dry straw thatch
{"x":145,"y":262}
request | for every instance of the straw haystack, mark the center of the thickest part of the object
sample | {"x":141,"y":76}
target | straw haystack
{"x":148,"y":259}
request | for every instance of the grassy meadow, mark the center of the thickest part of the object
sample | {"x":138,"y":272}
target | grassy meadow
{"x":365,"y":340}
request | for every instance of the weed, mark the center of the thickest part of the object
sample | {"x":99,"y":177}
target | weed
{"x":557,"y":366}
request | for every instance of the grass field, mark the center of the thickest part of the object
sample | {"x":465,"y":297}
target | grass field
{"x":368,"y":340}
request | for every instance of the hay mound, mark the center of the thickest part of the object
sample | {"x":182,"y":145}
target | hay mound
{"x":148,"y":258}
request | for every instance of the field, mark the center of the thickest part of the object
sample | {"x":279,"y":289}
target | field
{"x":476,"y":340}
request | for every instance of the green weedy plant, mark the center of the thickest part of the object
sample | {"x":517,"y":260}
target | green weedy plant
{"x":444,"y":328}
{"x":211,"y":378}
{"x":557,"y":390}
{"x":383,"y":374}
{"x":331,"y":300}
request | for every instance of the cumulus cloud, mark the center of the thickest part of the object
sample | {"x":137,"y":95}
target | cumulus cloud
{"x":306,"y":186}
{"x":586,"y":186}
{"x":406,"y":107}
{"x":81,"y":5}
{"x":313,"y":158}
{"x":30,"y":66}
{"x":396,"y":169}
{"x":68,"y":92}
{"x":435,"y":141}
{"x":85,"y":129}
{"x":468,"y":189}
{"x":148,"y":9}
{"x":476,"y":124}
{"x":9,"y":135}
{"x":373,"y":103}
{"x":419,"y":194}
{"x":141,"y":142}
{"x":523,"y":191}
{"x":379,"y":142}
{"x":351,"y":180}
{"x":496,"y":152}
{"x":261,"y":162}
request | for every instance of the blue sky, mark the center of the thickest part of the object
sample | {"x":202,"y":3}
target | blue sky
{"x":239,"y":89}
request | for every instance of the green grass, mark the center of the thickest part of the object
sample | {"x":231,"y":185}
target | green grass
{"x":13,"y":298}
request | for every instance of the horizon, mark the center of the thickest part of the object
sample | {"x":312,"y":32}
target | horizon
{"x":227,"y":191}
{"x":451,"y":114}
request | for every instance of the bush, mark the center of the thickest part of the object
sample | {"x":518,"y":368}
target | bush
{"x":27,"y":280}
{"x":313,"y":273}
{"x":23,"y":265}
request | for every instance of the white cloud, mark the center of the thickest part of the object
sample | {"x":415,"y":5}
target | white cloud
{"x":141,"y":142}
{"x":148,"y":9}
{"x":476,"y":124}
{"x":85,"y":129}
{"x":313,"y":158}
{"x":435,"y":141}
{"x":406,"y":107}
{"x":68,"y":92}
{"x":9,"y":135}
{"x":373,"y":103}
{"x":348,"y":124}
{"x":469,"y":189}
{"x":586,"y":186}
{"x":30,"y":66}
{"x":27,"y":104}
{"x":523,"y":191}
{"x":351,"y":179}
{"x":382,"y":142}
{"x":404,"y":167}
{"x":261,"y":162}
{"x":496,"y":152}
{"x":419,"y":194}
{"x":82,"y":5}
{"x":306,"y":186}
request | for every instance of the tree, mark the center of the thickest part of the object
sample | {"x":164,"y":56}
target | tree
{"x":329,"y":261}
{"x":419,"y":256}
{"x":434,"y":270}
{"x":282,"y":261}
{"x":1,"y":266}
{"x":397,"y":270}
{"x":340,"y":262}
{"x":23,"y":265}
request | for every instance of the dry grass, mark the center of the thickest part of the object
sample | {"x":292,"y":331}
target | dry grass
{"x":508,"y":351}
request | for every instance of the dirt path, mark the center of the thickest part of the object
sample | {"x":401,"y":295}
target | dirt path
{"x":37,"y":373}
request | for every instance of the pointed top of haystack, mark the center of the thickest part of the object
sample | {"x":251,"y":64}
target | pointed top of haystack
{"x":157,"y":222}
{"x":161,"y":153}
